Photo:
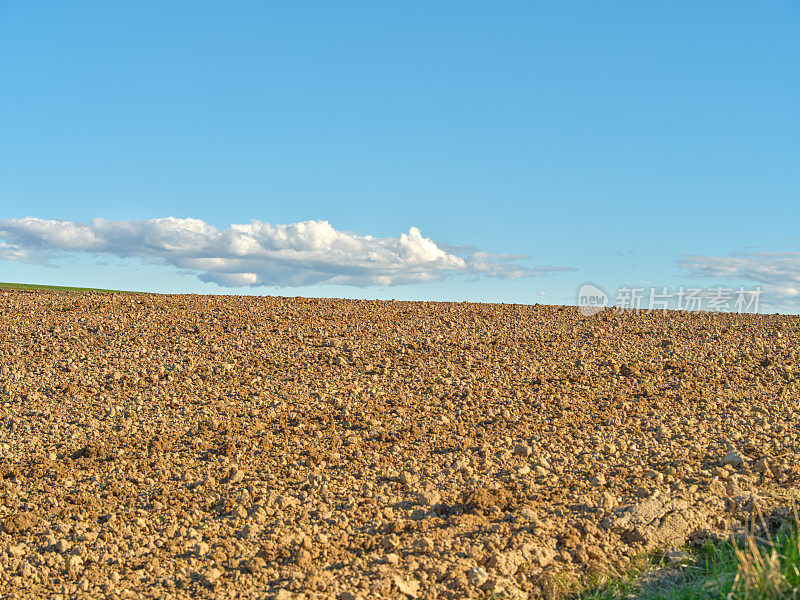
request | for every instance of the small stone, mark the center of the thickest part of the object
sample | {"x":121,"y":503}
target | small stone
{"x":541,"y":555}
{"x":676,"y":555}
{"x":408,"y":479}
{"x":477,"y":576}
{"x":237,"y":476}
{"x":27,"y":569}
{"x":596,"y":553}
{"x":734,"y":459}
{"x":253,"y":565}
{"x":762,"y":466}
{"x":250,"y":530}
{"x":423,"y":545}
{"x":19,"y":523}
{"x":201,"y":549}
{"x":732,"y":489}
{"x":390,"y":541}
{"x":409,"y":587}
{"x":303,"y":559}
{"x":504,"y":587}
{"x":506,"y":563}
{"x":599,"y":480}
{"x":607,"y":500}
{"x":523,"y":450}
{"x":428,"y":498}
{"x":211,"y":576}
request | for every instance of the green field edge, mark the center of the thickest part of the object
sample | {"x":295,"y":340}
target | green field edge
{"x":744,"y":566}
{"x":713,"y":570}
{"x":59,"y":288}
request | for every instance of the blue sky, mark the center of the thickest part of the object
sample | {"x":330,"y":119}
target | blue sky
{"x":607,"y":142}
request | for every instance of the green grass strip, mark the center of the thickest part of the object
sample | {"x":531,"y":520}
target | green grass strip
{"x":752,"y":568}
{"x":55,"y":288}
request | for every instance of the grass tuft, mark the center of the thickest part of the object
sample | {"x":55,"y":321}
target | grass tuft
{"x":768,"y":568}
{"x":746,"y":567}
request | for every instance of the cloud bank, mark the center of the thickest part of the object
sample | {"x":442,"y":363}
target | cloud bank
{"x":778,"y":272}
{"x":260,"y":254}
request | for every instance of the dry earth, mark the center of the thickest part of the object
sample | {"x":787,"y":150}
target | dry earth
{"x":227,"y":447}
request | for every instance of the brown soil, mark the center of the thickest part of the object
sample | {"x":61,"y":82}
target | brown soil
{"x":239,"y":447}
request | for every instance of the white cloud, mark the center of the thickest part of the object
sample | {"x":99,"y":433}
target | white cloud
{"x":777,"y":272}
{"x":257,"y":253}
